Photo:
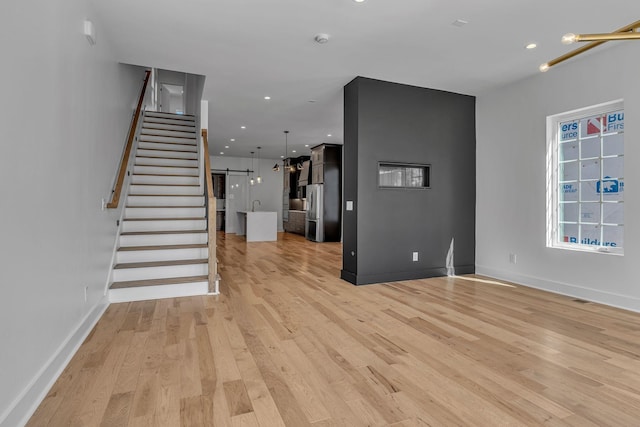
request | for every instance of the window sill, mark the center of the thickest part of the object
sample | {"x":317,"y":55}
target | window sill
{"x":594,"y":250}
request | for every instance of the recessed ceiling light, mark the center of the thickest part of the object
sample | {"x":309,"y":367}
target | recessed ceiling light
{"x":226,"y":146}
{"x":222,"y":152}
{"x":306,"y":145}
{"x":329,"y":135}
{"x":531,"y":46}
{"x":243,"y":127}
{"x":232,"y":139}
{"x":459,"y":23}
{"x":293,"y":151}
{"x":359,"y":1}
{"x":267,"y":98}
{"x":321,"y":38}
{"x":282,"y":157}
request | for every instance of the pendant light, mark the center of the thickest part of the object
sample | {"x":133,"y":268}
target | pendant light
{"x":259,"y":178}
{"x":276,"y":167}
{"x":252,"y":181}
{"x":292,"y":168}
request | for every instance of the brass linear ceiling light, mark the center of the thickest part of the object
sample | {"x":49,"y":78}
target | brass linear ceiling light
{"x":628,"y":32}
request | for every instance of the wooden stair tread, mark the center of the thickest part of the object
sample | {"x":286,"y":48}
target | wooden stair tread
{"x":177,"y":118}
{"x":192,"y":129}
{"x":144,"y":126}
{"x":166,"y":207}
{"x":166,"y":158}
{"x":165,"y":114}
{"x":184,"y":124}
{"x":158,"y":282}
{"x":160,"y":174}
{"x":160,"y":263}
{"x":165,"y":150}
{"x":169,"y":136}
{"x":169,"y":166}
{"x":162,"y":247}
{"x":171,"y":185}
{"x":164,"y":195}
{"x":165,"y":219}
{"x":173,"y":143}
{"x":150,"y":233}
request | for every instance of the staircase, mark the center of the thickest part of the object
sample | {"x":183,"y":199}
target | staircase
{"x":162,"y":248}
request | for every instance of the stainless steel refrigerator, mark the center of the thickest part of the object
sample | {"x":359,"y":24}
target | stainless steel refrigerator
{"x":314,"y":226}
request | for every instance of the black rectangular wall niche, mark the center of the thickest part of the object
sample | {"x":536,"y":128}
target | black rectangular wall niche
{"x":383,"y":228}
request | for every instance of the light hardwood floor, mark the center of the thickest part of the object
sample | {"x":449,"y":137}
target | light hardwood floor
{"x":289,"y":344}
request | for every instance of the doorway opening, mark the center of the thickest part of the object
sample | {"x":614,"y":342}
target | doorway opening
{"x":171,"y":98}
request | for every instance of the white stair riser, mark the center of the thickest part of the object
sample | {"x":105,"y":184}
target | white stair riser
{"x":187,"y":148}
{"x":164,"y":212}
{"x":166,"y":153}
{"x":178,"y":225}
{"x":158,"y":120}
{"x":170,"y":133}
{"x":163,"y":239}
{"x":181,"y":127}
{"x":157,"y":292}
{"x":182,"y":117}
{"x":165,"y":200}
{"x":162,"y":170}
{"x":161,"y":255}
{"x":167,"y":180}
{"x":155,"y":161}
{"x":165,"y":189}
{"x":151,"y":138}
{"x":144,"y":273}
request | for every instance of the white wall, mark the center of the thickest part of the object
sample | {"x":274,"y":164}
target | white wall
{"x":269,"y":192}
{"x":64,"y":112}
{"x":511,"y":149}
{"x":194,"y":87}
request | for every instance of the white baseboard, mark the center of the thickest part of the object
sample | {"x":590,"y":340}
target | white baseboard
{"x":608,"y":298}
{"x":23,"y":407}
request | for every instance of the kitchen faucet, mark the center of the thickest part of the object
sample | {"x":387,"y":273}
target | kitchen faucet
{"x":253,"y":205}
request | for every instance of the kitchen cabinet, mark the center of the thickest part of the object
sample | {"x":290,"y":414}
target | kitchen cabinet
{"x":324,"y":158}
{"x":317,"y":174}
{"x":326,"y":172}
{"x":295,"y":224}
{"x":219,"y":191}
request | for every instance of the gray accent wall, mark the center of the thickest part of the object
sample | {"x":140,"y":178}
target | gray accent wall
{"x":390,"y":122}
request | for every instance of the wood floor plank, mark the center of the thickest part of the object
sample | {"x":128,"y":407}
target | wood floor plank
{"x":237,"y":398}
{"x":287,"y":343}
{"x":92,"y":409}
{"x":245,"y":420}
{"x":117,"y":412}
{"x":191,"y":412}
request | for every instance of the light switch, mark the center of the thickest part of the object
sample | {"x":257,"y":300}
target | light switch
{"x":349,"y":205}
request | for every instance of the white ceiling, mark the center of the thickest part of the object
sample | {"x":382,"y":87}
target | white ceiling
{"x":249,"y":49}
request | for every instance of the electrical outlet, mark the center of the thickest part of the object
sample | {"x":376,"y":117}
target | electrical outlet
{"x":513,"y":258}
{"x":415,"y":256}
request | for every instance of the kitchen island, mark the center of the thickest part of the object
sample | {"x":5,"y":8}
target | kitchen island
{"x":258,"y":226}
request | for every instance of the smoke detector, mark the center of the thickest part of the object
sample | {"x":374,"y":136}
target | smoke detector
{"x":321,"y":38}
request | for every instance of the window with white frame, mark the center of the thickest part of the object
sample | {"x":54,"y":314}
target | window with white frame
{"x":586,"y":179}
